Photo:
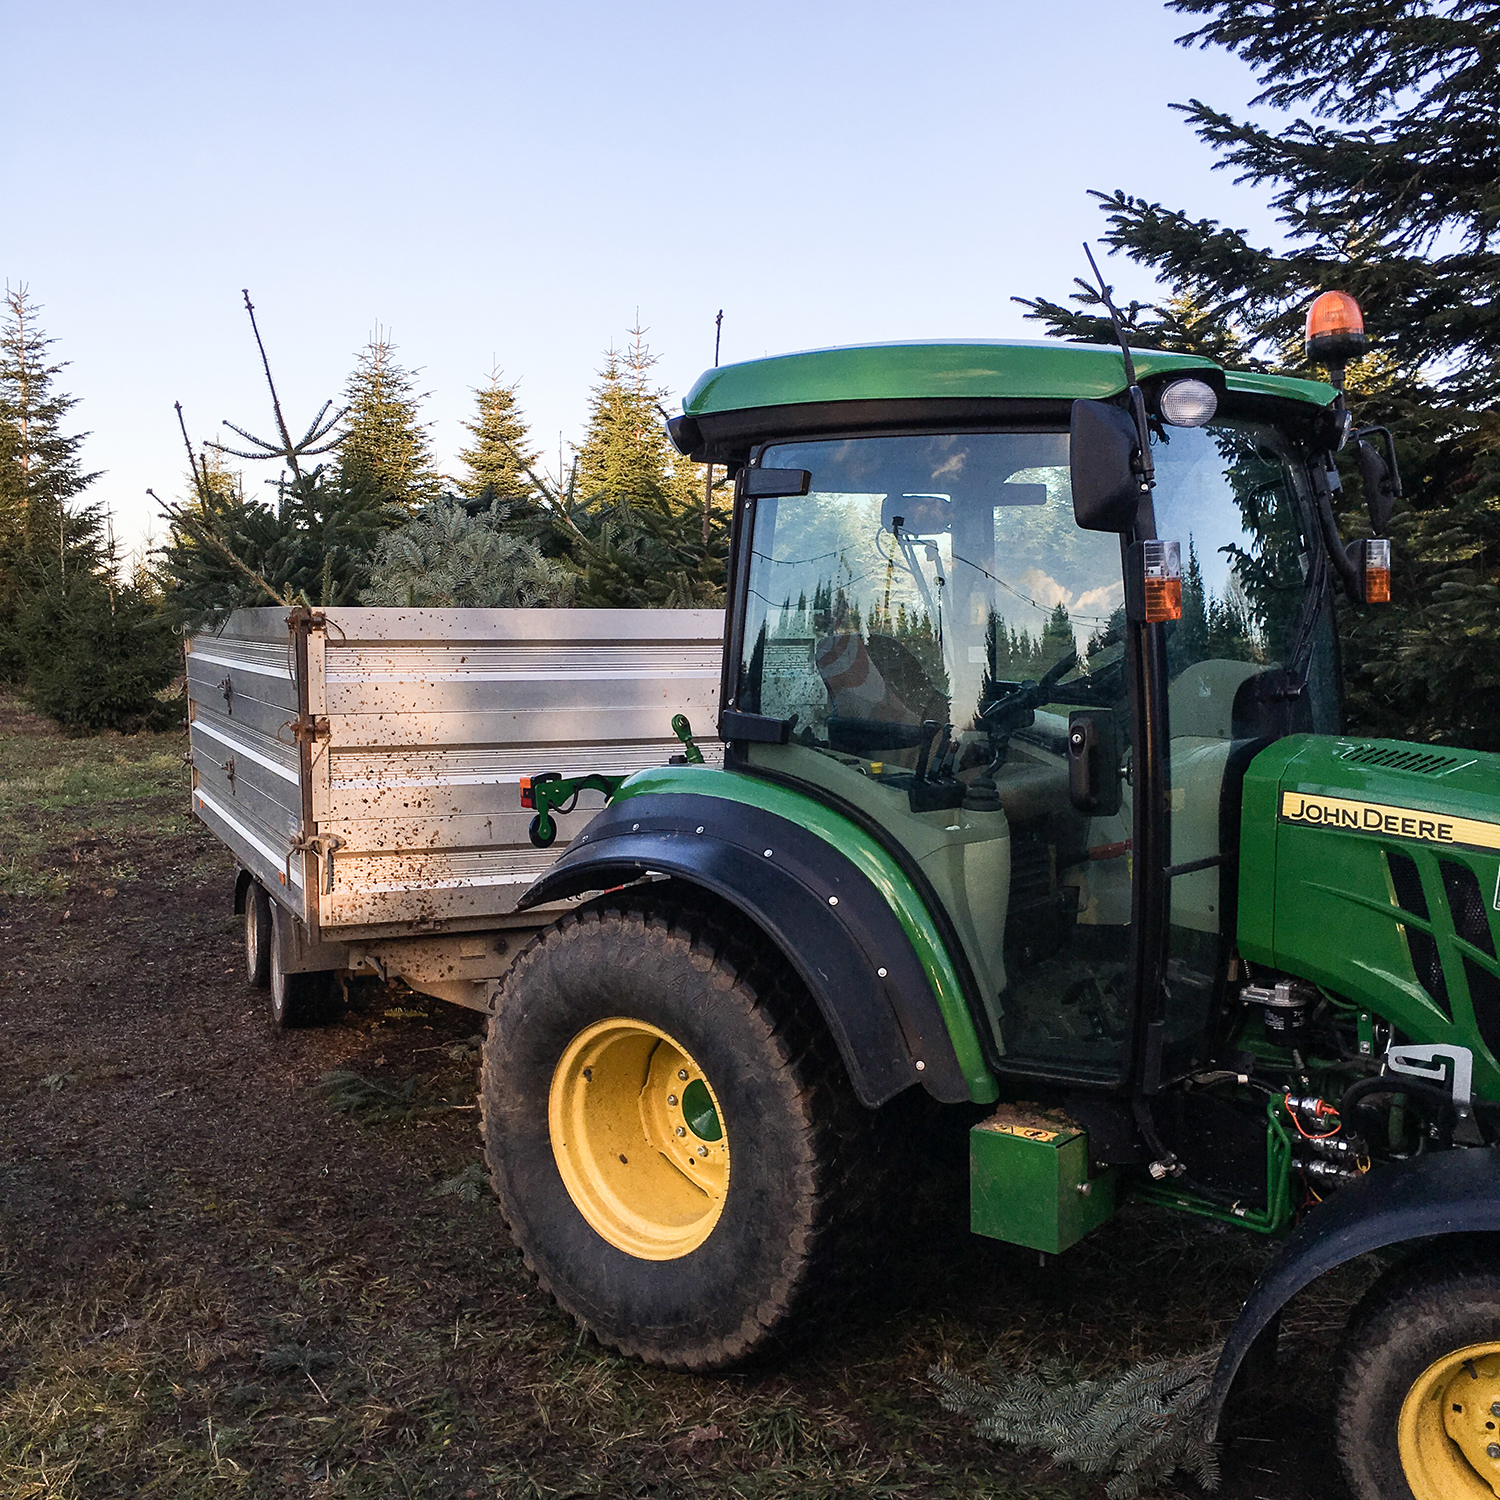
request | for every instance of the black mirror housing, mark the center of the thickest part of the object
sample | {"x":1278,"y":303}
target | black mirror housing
{"x":771,"y":484}
{"x":1381,"y":485}
{"x":1103,"y":451}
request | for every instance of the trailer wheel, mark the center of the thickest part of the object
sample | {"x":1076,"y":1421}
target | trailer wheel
{"x":257,"y":935}
{"x":1419,"y":1408}
{"x":296,"y":999}
{"x":674,"y":1144}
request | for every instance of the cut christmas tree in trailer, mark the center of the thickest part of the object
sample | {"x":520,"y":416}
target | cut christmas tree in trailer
{"x":1035,"y":796}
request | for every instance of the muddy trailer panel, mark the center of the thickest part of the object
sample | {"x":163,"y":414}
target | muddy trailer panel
{"x":363,"y":765}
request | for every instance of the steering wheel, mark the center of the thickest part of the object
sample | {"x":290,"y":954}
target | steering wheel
{"x":1017,"y":708}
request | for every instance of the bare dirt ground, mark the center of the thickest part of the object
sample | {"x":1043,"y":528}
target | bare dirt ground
{"x":214,"y":1279}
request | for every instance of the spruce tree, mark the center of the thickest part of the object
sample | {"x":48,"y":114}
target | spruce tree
{"x":1384,"y":188}
{"x":44,"y":533}
{"x":385,"y":443}
{"x":626,"y":457}
{"x":631,"y":518}
{"x":500,"y":454}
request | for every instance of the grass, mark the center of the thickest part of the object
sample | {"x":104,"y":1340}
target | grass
{"x":72,"y":810}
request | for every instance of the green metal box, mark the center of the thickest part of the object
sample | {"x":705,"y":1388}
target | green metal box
{"x":1029,"y":1180}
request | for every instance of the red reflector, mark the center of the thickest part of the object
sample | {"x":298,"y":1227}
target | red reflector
{"x":527,"y":800}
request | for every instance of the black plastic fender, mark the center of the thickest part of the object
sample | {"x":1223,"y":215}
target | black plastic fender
{"x":1446,"y":1192}
{"x":826,"y":916}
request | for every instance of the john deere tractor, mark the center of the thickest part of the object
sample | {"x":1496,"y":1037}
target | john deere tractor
{"x":1036,"y":796}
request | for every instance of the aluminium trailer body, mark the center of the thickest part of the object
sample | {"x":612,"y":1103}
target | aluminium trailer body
{"x":363,"y":766}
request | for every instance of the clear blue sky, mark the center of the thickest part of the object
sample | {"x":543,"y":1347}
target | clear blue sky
{"x":512,"y":181}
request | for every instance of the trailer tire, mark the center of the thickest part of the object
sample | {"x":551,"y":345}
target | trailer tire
{"x":1420,"y":1344}
{"x":618,"y":993}
{"x":295,"y":999}
{"x":257,"y":935}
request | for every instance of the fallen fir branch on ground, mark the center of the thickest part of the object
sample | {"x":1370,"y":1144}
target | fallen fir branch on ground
{"x":1137,"y":1428}
{"x":375,"y":1102}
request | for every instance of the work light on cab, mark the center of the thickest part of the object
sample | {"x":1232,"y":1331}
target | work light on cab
{"x":1188,"y":403}
{"x":1335,"y":330}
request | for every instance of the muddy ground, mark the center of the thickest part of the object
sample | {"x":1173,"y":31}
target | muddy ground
{"x":219,"y":1276}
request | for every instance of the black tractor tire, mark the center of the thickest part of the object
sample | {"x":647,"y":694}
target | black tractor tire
{"x":296,"y":999}
{"x":1410,"y":1320}
{"x":791,"y":1239}
{"x":257,"y":935}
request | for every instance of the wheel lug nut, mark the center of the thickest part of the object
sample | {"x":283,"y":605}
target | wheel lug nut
{"x":681,"y":1131}
{"x":682,"y":1073}
{"x":1493,"y":1450}
{"x":672,"y":1100}
{"x":703,"y":1151}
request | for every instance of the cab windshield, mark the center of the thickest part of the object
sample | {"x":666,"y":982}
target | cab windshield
{"x":923,"y":576}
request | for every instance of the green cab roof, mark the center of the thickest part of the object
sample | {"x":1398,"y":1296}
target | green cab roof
{"x":1022,"y":369}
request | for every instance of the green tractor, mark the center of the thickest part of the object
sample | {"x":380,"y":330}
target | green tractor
{"x":1035,"y":797}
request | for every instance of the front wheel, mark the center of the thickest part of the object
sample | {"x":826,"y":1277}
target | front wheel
{"x":1419,"y":1409}
{"x":673,"y":1142}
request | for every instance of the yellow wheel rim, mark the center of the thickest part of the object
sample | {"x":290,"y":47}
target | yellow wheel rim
{"x":639,"y":1139}
{"x":1449,"y":1430}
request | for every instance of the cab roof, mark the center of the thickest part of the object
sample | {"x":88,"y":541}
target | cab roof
{"x":961,"y":370}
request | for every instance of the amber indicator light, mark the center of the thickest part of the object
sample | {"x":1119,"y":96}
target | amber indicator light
{"x":1377,"y":571}
{"x":1161,"y":590}
{"x":527,"y":800}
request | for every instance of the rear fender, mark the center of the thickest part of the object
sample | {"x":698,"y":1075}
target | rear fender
{"x":831,"y":922}
{"x":1446,"y":1193}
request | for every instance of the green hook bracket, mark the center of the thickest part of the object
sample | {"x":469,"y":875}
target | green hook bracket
{"x":551,"y":793}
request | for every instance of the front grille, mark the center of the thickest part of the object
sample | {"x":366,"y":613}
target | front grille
{"x":1429,"y":967}
{"x":1484,"y":995}
{"x":1470,"y":919}
{"x":1408,"y":884}
{"x":1418,"y":762}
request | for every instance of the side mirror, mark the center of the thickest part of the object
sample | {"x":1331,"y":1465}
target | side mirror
{"x":1103,"y":451}
{"x":1094,"y":762}
{"x":1381,"y":483}
{"x":918,"y":515}
{"x":771,"y":484}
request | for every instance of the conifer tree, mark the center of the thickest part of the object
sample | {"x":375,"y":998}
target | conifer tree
{"x":44,"y":533}
{"x":1385,"y":189}
{"x":385,"y":443}
{"x":630,"y":518}
{"x":312,"y":546}
{"x":500,"y":452}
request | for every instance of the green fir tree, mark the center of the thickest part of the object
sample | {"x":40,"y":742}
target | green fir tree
{"x":500,"y":451}
{"x":1384,"y":187}
{"x":385,"y":442}
{"x":46,"y":534}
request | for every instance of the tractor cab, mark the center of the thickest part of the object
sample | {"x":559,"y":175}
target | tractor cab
{"x":923,"y":636}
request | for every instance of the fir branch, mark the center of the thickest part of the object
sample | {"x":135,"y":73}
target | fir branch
{"x":1136,"y":1428}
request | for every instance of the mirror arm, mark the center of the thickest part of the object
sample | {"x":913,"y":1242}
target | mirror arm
{"x":1333,"y":543}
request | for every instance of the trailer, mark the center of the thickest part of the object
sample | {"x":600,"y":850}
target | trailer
{"x":364,"y":768}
